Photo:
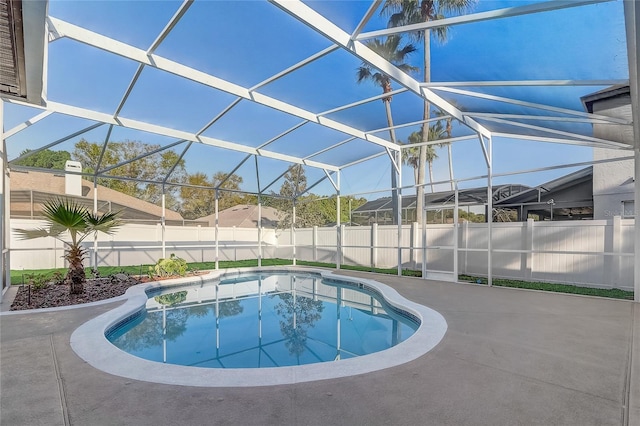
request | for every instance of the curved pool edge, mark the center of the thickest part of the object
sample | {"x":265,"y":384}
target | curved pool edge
{"x":89,"y":342}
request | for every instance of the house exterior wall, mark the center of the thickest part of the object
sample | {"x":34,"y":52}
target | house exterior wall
{"x":612,"y":182}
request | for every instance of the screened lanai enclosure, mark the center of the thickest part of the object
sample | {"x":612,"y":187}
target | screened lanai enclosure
{"x":176,"y":111}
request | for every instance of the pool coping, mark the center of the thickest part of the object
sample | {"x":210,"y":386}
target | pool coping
{"x":89,"y":342}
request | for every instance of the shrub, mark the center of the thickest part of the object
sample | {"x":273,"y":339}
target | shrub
{"x":169,"y":267}
{"x":57,"y":277}
{"x":38,"y":281}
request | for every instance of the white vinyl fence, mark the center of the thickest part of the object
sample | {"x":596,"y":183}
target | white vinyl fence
{"x":595,"y":253}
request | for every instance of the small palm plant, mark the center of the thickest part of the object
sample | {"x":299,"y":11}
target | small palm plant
{"x":66,"y":218}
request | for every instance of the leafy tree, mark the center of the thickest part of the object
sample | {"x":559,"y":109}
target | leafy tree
{"x":228,"y":199}
{"x":328,"y":207}
{"x":45,"y":159}
{"x":295,"y":183}
{"x":200,"y":202}
{"x":147,"y":168}
{"x":308,"y":213}
{"x":469,"y":216}
{"x":66,"y":217}
{"x":391,"y":50}
{"x":406,"y":12}
{"x":197,"y":202}
{"x":311,"y":210}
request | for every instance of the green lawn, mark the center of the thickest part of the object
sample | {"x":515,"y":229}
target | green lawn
{"x":17,"y":276}
{"x":558,"y":288}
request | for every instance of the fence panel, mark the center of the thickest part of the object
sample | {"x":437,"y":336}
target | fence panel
{"x":357,"y":243}
{"x":508,"y":239}
{"x":586,"y":236}
{"x":476,"y":238}
{"x":579,"y":252}
{"x":440,"y":259}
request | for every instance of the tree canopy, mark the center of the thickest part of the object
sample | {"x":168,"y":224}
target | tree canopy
{"x":197,"y":201}
{"x":311,"y":210}
{"x":45,"y":159}
{"x":134,"y":159}
{"x":196,"y":198}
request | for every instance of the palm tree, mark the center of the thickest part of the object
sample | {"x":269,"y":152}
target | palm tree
{"x":436,"y":132}
{"x":391,"y":50}
{"x":448,"y":120}
{"x":67,"y":217}
{"x":411,"y":156}
{"x":406,"y":12}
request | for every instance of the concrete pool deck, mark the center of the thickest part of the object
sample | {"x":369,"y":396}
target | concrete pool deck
{"x":509,"y":357}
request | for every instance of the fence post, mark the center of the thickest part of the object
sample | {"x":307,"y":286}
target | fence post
{"x":374,"y":244}
{"x":528,"y":272}
{"x":465,"y":241}
{"x":292,"y":239}
{"x":342,"y":248}
{"x":338,"y":256}
{"x":314,"y":243}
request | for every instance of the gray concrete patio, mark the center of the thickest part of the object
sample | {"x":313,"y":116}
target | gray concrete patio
{"x":510,"y":357}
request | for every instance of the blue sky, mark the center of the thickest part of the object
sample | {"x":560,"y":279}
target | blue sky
{"x":248,"y":41}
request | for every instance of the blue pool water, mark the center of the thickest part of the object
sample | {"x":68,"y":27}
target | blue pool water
{"x":262,"y":320}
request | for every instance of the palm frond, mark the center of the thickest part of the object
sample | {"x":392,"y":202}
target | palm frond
{"x":407,"y":49}
{"x":431,"y":154}
{"x":406,"y":68}
{"x":407,"y":12}
{"x":363,"y":73}
{"x":29,"y":234}
{"x":403,"y":12}
{"x":107,"y":222}
{"x":389,"y":50}
{"x":457,"y":7}
{"x":65,"y":213}
{"x":441,"y":34}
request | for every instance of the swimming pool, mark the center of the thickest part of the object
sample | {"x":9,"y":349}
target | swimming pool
{"x":90,"y":341}
{"x":270,"y":319}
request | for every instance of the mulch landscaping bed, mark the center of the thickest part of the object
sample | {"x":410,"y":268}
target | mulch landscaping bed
{"x":54,"y":295}
{"x":95,"y":289}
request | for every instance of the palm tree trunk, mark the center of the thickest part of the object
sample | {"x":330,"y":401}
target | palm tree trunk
{"x":425,"y":127}
{"x":449,"y":153}
{"x":431,"y":175}
{"x":76,"y":276}
{"x":394,"y":179}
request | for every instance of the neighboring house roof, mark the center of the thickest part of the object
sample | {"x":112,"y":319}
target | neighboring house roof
{"x":608,"y":93}
{"x":570,"y":195}
{"x":465,"y":196}
{"x":551,"y":189}
{"x":245,"y":216}
{"x":30,"y":189}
